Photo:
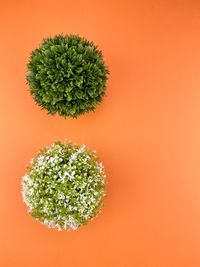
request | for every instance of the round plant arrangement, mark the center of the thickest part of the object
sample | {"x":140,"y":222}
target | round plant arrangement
{"x":64,"y":186}
{"x":67,"y":75}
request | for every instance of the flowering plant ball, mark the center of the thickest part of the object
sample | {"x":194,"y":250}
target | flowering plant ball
{"x":65,"y":186}
{"x":67,"y":75}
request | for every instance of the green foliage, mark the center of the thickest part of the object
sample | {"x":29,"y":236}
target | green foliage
{"x":65,"y":186}
{"x":67,"y":75}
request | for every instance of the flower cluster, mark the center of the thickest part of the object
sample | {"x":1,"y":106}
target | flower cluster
{"x":65,"y":186}
{"x":67,"y":75}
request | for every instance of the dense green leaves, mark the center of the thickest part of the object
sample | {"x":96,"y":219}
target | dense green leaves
{"x":67,"y":75}
{"x":64,"y":186}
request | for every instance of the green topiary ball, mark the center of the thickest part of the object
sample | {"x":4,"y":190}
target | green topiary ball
{"x":65,"y":186}
{"x":67,"y":75}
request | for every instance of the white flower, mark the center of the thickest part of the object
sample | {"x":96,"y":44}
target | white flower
{"x":55,"y":184}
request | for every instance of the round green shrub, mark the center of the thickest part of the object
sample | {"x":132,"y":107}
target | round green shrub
{"x":67,"y":75}
{"x":64,"y":186}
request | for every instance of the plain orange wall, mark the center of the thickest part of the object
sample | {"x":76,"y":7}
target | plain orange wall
{"x":146,"y":131}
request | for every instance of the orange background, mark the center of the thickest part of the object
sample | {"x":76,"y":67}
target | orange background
{"x":146,"y":132}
